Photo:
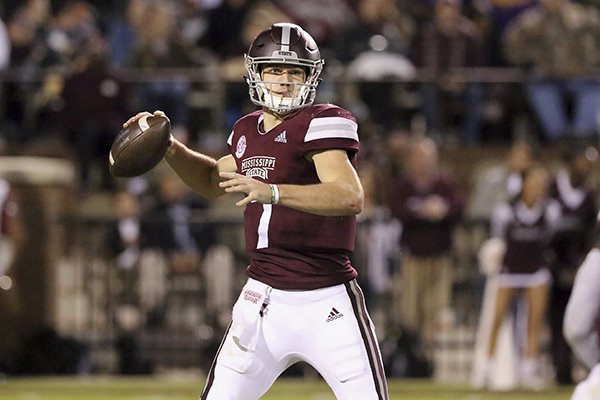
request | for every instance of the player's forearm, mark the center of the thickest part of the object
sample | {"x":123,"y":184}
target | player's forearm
{"x":329,"y":199}
{"x":197,"y":170}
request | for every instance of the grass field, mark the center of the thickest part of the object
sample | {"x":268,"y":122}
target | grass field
{"x":111,"y":388}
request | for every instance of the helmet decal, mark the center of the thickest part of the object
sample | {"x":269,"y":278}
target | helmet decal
{"x":285,"y":38}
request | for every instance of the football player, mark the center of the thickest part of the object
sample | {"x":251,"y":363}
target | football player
{"x":581,"y":323}
{"x":294,"y":163}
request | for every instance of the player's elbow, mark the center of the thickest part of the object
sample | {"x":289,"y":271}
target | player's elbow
{"x":354,"y":202}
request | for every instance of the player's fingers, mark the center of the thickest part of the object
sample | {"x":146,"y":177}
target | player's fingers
{"x":231,"y":189}
{"x":252,"y":196}
{"x":228,"y":183}
{"x":243,"y":201}
{"x":160,"y":113}
{"x":228,"y":175}
{"x":135,"y":118}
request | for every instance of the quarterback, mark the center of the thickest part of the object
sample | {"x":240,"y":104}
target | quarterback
{"x":294,"y":163}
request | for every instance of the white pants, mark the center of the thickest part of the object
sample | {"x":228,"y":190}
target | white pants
{"x":589,"y":389}
{"x":583,"y":310}
{"x":327,"y":328}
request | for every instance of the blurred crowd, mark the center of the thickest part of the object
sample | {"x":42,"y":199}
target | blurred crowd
{"x":76,"y":70}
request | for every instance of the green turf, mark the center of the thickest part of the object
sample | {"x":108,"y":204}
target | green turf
{"x":110,"y":388}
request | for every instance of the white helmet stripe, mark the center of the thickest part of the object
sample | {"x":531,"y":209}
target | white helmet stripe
{"x":285,"y":38}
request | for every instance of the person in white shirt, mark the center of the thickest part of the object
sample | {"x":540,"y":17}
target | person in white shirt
{"x":581,"y":324}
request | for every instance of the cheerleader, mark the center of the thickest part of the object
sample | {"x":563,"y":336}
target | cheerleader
{"x":525,"y":226}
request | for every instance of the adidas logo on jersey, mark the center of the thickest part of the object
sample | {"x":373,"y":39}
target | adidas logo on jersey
{"x":281,"y":138}
{"x":333,"y":315}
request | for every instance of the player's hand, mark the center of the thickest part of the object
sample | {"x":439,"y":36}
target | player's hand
{"x":140,"y":115}
{"x":254,"y":190}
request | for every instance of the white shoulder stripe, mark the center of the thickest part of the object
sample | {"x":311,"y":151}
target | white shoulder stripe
{"x":230,"y":139}
{"x":331,"y":127}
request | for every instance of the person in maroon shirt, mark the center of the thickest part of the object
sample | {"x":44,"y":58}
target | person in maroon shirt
{"x":428,"y":202}
{"x":294,"y":163}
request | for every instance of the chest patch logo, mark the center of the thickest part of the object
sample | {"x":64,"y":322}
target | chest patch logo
{"x":240,"y":149}
{"x":258,"y":166}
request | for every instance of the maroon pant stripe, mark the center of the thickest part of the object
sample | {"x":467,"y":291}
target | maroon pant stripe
{"x":368,"y":336}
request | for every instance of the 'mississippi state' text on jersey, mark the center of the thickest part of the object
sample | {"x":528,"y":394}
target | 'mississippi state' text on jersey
{"x":291,"y":249}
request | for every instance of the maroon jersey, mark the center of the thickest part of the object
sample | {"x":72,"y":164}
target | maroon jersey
{"x":291,"y":249}
{"x":421,"y":236}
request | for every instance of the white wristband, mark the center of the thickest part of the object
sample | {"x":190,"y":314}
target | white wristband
{"x":274,"y":193}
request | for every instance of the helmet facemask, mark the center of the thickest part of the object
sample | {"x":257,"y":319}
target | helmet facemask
{"x":261,"y":92}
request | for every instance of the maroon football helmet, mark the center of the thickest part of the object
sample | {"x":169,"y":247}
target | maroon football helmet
{"x":287,"y":44}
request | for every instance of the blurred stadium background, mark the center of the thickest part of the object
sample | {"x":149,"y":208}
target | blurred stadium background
{"x":70,"y":307}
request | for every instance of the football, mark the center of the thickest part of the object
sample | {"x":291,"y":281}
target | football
{"x":140,"y":146}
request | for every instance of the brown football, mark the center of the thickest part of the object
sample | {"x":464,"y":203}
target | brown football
{"x":139,"y":147}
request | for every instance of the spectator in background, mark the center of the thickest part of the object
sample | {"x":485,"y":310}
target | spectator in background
{"x":227,"y":44}
{"x":252,"y":16}
{"x":558,"y":43}
{"x":158,"y":45}
{"x":525,"y":225}
{"x":496,"y":15}
{"x":179,"y":247}
{"x":377,"y":237}
{"x":71,"y":34}
{"x":123,"y":32}
{"x":167,"y":225}
{"x":500,"y":182}
{"x":450,"y":41}
{"x":324,"y":19}
{"x":124,"y":242}
{"x":380,"y":26}
{"x":193,"y":22}
{"x":94,"y":104}
{"x":429,"y":203}
{"x":571,"y":188}
{"x":69,"y":38}
{"x":224,"y":42}
{"x":373,"y":49}
{"x":26,"y":31}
